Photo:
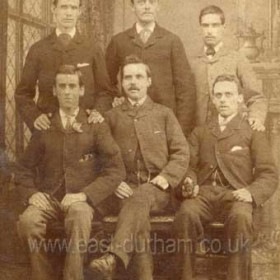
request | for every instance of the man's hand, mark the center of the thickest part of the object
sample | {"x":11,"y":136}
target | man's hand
{"x":118,"y":101}
{"x":43,"y":122}
{"x":189,"y":190}
{"x":256,"y":124}
{"x":94,"y":116}
{"x":242,"y":195}
{"x":40,"y":200}
{"x":161,"y":182}
{"x":123,"y":190}
{"x":71,"y":198}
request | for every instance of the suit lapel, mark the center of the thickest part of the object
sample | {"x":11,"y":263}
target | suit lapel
{"x":140,"y":112}
{"x":72,"y":45}
{"x":132,"y":33}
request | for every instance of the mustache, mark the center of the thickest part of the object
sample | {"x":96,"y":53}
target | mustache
{"x":133,"y":88}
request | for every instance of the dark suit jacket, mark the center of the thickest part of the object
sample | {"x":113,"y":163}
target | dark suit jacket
{"x":162,"y":144}
{"x":172,"y":83}
{"x":88,"y":162}
{"x":243,"y":156}
{"x":42,"y":62}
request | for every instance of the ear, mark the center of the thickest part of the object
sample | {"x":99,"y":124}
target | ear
{"x":240,"y":98}
{"x":53,"y":7}
{"x":82,"y":91}
{"x":54,"y":91}
{"x":149,"y":81}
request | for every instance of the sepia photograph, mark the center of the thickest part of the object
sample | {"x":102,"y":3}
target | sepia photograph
{"x":139,"y":139}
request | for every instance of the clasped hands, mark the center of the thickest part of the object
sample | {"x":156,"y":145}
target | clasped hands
{"x":43,"y":200}
{"x":125,"y":191}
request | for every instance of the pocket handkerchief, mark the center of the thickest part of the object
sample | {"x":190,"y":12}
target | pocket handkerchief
{"x":236,"y":148}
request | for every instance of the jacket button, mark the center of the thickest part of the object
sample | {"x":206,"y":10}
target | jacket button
{"x":135,"y":120}
{"x":211,"y":166}
{"x":130,"y":150}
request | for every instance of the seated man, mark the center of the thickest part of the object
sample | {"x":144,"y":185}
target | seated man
{"x":231,"y":172}
{"x":156,"y":157}
{"x":60,"y":178}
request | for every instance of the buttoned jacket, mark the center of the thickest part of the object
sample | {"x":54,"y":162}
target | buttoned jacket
{"x":242,"y":155}
{"x":226,"y":61}
{"x":42,"y":62}
{"x":160,"y":138}
{"x":172,"y":81}
{"x":88,"y":162}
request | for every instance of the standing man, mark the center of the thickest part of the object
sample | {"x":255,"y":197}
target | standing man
{"x":214,"y":59}
{"x":66,"y":174}
{"x":164,"y":52}
{"x":232,"y":172}
{"x":156,"y":158}
{"x":64,"y":46}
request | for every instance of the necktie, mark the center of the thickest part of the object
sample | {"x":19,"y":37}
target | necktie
{"x":64,"y":39}
{"x":210,"y":51}
{"x":223,"y":123}
{"x":68,"y":125}
{"x":144,"y":35}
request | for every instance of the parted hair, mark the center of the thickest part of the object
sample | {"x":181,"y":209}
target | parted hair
{"x":228,"y":78}
{"x":134,"y":59}
{"x":68,"y":69}
{"x":55,"y":2}
{"x":212,"y":9}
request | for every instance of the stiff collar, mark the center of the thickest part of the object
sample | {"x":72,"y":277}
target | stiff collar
{"x":139,"y":102}
{"x":72,"y":32}
{"x":140,"y":27}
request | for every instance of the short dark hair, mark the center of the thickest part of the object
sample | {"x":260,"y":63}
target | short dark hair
{"x":134,"y":59}
{"x":68,"y":69}
{"x":228,"y":78}
{"x":132,"y":1}
{"x":212,"y":9}
{"x":56,"y":1}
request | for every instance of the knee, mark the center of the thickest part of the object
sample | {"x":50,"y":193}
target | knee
{"x":240,"y":221}
{"x":80,"y":212}
{"x":29,"y":226}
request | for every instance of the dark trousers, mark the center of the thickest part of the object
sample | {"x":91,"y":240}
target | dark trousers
{"x":216,"y":203}
{"x":133,"y":228}
{"x":32,"y":226}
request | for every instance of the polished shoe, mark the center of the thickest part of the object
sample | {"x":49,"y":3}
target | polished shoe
{"x":105,"y":265}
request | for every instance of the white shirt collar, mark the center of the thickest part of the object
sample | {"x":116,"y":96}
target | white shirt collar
{"x":150,"y":26}
{"x":71,"y":32}
{"x":224,"y":121}
{"x":64,"y":116}
{"x":140,"y":102}
{"x":216,"y":48}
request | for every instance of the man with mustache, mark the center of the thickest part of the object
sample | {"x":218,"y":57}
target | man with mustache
{"x":164,"y":52}
{"x":214,"y":59}
{"x":232,"y":173}
{"x":65,"y":45}
{"x":156,"y":157}
{"x":67,"y":174}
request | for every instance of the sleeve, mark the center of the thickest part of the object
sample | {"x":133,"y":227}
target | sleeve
{"x":26,"y":167}
{"x":253,"y":96}
{"x":178,"y":149}
{"x":103,"y":88}
{"x":113,"y":168}
{"x":184,"y":87}
{"x":26,"y":89}
{"x":265,"y":172}
{"x":113,"y":62}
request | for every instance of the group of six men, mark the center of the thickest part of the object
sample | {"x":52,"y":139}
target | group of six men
{"x":78,"y":166}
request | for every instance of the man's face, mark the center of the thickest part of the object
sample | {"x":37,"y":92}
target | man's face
{"x":66,"y":13}
{"x":226,"y":98}
{"x":68,"y":91}
{"x":135,"y":81}
{"x":145,"y":10}
{"x":212,"y":29}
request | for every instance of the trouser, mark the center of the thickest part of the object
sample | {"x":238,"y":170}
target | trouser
{"x":32,"y":226}
{"x":216,"y":203}
{"x":132,"y":234}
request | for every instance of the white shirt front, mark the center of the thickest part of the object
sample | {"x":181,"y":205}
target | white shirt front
{"x":216,"y":48}
{"x":224,"y":121}
{"x":64,"y":117}
{"x":71,"y":32}
{"x":139,"y":102}
{"x":150,"y":26}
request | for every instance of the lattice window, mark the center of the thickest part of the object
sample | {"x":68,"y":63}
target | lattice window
{"x":28,"y":22}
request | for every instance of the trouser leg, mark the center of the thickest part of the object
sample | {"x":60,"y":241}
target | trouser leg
{"x":32,"y":227}
{"x":239,"y":231}
{"x":78,"y":223}
{"x":188,"y":225}
{"x":133,"y":228}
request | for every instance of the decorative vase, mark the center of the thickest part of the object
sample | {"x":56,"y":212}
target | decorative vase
{"x":250,"y":48}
